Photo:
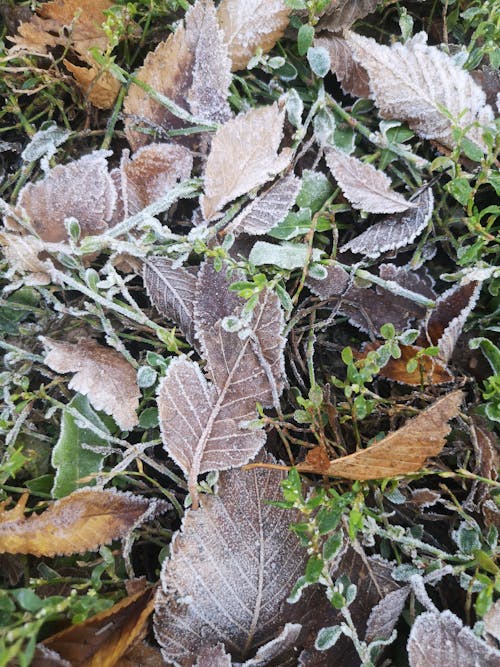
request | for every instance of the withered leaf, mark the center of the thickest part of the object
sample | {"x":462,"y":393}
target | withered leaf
{"x":364,"y":186}
{"x":99,"y":87}
{"x":340,"y":14}
{"x":441,"y":639}
{"x":244,"y":155}
{"x":230,"y":570}
{"x":352,"y":77}
{"x":101,"y":373}
{"x":60,"y":195}
{"x":396,"y":231}
{"x":430,"y":370}
{"x":412,"y":81}
{"x":267,"y":210}
{"x":191,"y":68}
{"x":172,"y":290}
{"x":80,"y":522}
{"x":335,"y":283}
{"x":492,"y":620}
{"x":251,"y":24}
{"x":213,"y":656}
{"x":385,"y":614}
{"x":402,"y":451}
{"x":23,"y":255}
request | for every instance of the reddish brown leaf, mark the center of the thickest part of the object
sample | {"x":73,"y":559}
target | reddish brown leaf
{"x":340,"y":14}
{"x":352,"y":77}
{"x":430,"y":370}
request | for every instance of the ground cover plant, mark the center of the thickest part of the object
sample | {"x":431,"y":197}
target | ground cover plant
{"x":249,"y":317}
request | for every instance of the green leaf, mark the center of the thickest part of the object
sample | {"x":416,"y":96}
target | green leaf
{"x":314,"y":191}
{"x":304,"y":39}
{"x":460,"y":189}
{"x":314,"y":568}
{"x":327,"y":637}
{"x":319,"y":60}
{"x":490,"y":351}
{"x":285,"y":256}
{"x":332,"y":546}
{"x":472,"y":150}
{"x":293,"y":225}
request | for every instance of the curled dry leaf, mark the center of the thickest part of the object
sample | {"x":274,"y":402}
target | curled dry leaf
{"x":101,"y":373}
{"x":413,"y":81}
{"x":191,"y":68}
{"x":244,"y":155}
{"x":80,"y":522}
{"x":401,"y":452}
{"x":249,"y":25}
{"x":100,"y":88}
{"x":236,"y":548}
{"x":352,"y":77}
{"x":364,"y":186}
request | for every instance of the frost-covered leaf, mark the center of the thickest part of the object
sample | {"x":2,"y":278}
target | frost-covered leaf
{"x":267,"y":210}
{"x":385,"y":614}
{"x":364,"y":186}
{"x":101,"y":373}
{"x":396,"y":231}
{"x":440,"y":640}
{"x":249,"y":25}
{"x":23,"y":253}
{"x":340,"y":14}
{"x":231,"y":568}
{"x":80,"y":522}
{"x":45,"y":142}
{"x":402,"y":451}
{"x":172,"y":290}
{"x":334,"y":284}
{"x":244,"y":155}
{"x":60,"y":195}
{"x":277,"y":647}
{"x":191,"y":67}
{"x":492,"y":620}
{"x":412,"y":81}
{"x":350,"y":74}
{"x":213,"y":656}
{"x":286,"y":255}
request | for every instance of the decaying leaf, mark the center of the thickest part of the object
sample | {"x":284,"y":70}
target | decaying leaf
{"x":230,"y":570}
{"x":352,"y":77}
{"x":191,"y":68}
{"x":101,"y":373}
{"x":394,"y":232}
{"x":412,"y":81}
{"x":244,"y":155}
{"x":340,"y":14}
{"x":333,"y":285}
{"x":402,"y":451}
{"x":80,"y":522}
{"x":492,"y":620}
{"x":364,"y":186}
{"x":23,"y":255}
{"x":60,"y":195}
{"x":172,"y":290}
{"x":249,"y":25}
{"x":100,"y":88}
{"x":430,"y":370}
{"x":441,"y":639}
{"x":267,"y":210}
{"x":385,"y":614}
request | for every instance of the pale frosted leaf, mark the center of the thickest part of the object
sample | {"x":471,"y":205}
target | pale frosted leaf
{"x":231,"y":568}
{"x":401,"y":452}
{"x":191,"y":68}
{"x":213,"y":656}
{"x":101,"y":373}
{"x":172,"y":290}
{"x":267,"y":210}
{"x":276,"y":648}
{"x":244,"y":155}
{"x":286,"y":255}
{"x":396,"y":231}
{"x":249,"y":25}
{"x":352,"y":77}
{"x":492,"y":620}
{"x":23,"y":255}
{"x":385,"y":614}
{"x":342,"y":13}
{"x":45,"y":142}
{"x":412,"y":81}
{"x":364,"y":186}
{"x":82,"y":189}
{"x":441,"y":640}
{"x":335,"y":283}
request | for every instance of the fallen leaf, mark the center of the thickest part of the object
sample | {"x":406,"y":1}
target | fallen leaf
{"x":412,"y":81}
{"x":340,"y":14}
{"x":394,"y":232}
{"x":23,"y":256}
{"x":333,"y":285}
{"x":80,"y":522}
{"x":384,"y":615}
{"x":402,"y":451}
{"x":441,"y":639}
{"x":142,"y":654}
{"x":249,"y":562}
{"x":249,"y":25}
{"x":191,"y":68}
{"x":430,"y":370}
{"x":364,"y":186}
{"x":101,"y":373}
{"x":353,"y":78}
{"x":244,"y":155}
{"x":100,"y":87}
{"x":491,"y":620}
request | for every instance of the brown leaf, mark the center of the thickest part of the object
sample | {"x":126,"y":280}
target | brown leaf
{"x":191,"y":68}
{"x":80,"y":522}
{"x":341,"y":14}
{"x":142,"y":655}
{"x":244,"y":155}
{"x":352,"y":77}
{"x":335,"y":283}
{"x":402,"y":451}
{"x":23,"y":255}
{"x":60,"y":195}
{"x":492,"y":620}
{"x":101,"y":373}
{"x":430,"y":370}
{"x":100,"y":87}
{"x":249,"y":25}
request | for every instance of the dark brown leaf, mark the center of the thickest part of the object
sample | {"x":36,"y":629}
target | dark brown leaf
{"x":350,"y":74}
{"x":341,"y":14}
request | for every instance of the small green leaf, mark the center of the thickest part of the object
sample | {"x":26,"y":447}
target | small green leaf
{"x":327,"y":637}
{"x":314,"y":568}
{"x":460,"y":189}
{"x":332,"y":546}
{"x":305,"y":38}
{"x":319,"y":60}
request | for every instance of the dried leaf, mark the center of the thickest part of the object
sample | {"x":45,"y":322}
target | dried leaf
{"x":352,"y":77}
{"x":364,"y":186}
{"x":412,"y":81}
{"x":141,"y":654}
{"x":100,"y":87}
{"x":335,"y":283}
{"x":394,"y":232}
{"x":101,"y":373}
{"x":249,"y":562}
{"x":267,"y":210}
{"x":191,"y":68}
{"x":213,"y":656}
{"x":244,"y":155}
{"x":249,"y":25}
{"x":172,"y":290}
{"x":430,"y":370}
{"x":23,"y":255}
{"x":60,"y":195}
{"x":402,"y":451}
{"x":384,"y":615}
{"x":492,"y":620}
{"x":440,"y":640}
{"x":341,"y":14}
{"x":80,"y":522}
